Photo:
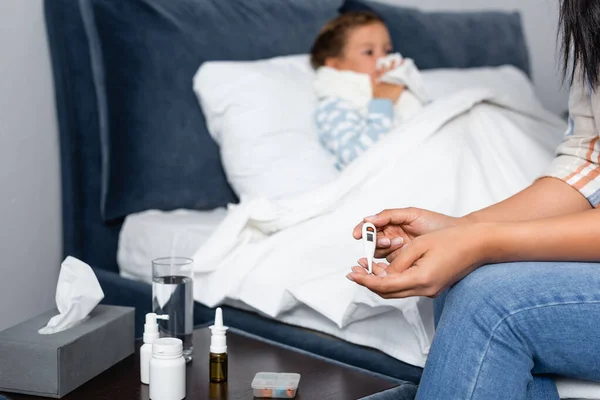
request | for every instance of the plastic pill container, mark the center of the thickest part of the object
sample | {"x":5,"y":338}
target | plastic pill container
{"x":275,"y":385}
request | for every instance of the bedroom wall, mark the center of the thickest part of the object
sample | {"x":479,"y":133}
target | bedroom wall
{"x":30,"y":216}
{"x":540,"y":21}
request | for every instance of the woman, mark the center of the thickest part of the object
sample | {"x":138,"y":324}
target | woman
{"x":518,"y":283}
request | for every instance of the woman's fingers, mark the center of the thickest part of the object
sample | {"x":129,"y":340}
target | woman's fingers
{"x":403,"y":277}
{"x":393,"y":285}
{"x":357,"y":232}
{"x":359,"y":270}
{"x":383,"y":241}
{"x":374,"y":219}
{"x":392,"y":256}
{"x":404,"y":258}
{"x":396,"y":216}
{"x":378,"y":268}
{"x":384,"y":286}
{"x":395,"y":244}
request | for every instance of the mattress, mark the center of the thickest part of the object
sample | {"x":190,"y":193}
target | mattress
{"x":152,"y":234}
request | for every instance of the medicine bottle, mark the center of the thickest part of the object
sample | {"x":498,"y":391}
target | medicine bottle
{"x":167,"y":370}
{"x":150,"y":335}
{"x":218,"y":349}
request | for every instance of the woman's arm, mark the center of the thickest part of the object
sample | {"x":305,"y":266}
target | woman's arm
{"x":433,"y":262}
{"x":576,"y":167}
{"x":547,"y":197}
{"x":573,"y":237}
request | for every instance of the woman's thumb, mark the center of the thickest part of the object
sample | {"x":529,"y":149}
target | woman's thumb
{"x":404,"y":258}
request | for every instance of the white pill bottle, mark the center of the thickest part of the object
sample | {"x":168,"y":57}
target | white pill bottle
{"x":167,"y":370}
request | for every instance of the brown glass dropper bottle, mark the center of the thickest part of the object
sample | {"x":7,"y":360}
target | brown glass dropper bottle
{"x":218,"y":349}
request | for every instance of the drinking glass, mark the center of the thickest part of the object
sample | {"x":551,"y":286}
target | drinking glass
{"x":172,"y":295}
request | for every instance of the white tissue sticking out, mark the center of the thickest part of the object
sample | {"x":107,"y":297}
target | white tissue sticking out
{"x":77,"y":294}
{"x":388,"y":60}
{"x":404,"y":73}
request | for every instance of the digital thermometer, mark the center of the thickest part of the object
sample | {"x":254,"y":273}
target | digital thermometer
{"x":369,"y":236}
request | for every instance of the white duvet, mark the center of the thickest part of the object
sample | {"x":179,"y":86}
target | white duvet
{"x":288,"y":258}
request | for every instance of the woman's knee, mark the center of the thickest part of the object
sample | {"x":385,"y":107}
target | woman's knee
{"x":489,"y":290}
{"x":513,"y":286}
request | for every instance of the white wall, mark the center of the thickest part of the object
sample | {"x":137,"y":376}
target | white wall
{"x":540,"y":21}
{"x":30,"y":212}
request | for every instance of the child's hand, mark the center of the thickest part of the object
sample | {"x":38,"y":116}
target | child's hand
{"x":383,"y":90}
{"x":384,"y":69}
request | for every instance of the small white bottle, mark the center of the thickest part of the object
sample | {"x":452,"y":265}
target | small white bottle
{"x":167,"y":370}
{"x":150,"y":335}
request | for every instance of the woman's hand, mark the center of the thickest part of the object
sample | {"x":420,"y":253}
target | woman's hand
{"x":428,"y":265}
{"x":399,"y":226}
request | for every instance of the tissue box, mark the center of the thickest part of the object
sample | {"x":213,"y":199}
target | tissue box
{"x":54,"y":365}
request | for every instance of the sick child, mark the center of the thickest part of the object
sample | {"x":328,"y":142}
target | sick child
{"x":363,"y":89}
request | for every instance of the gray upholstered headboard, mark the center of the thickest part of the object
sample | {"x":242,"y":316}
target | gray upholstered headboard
{"x":88,"y":120}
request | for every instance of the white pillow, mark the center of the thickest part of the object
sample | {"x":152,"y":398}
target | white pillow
{"x":261,"y":114}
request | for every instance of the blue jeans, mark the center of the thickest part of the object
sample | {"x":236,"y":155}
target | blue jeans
{"x":505,"y":329}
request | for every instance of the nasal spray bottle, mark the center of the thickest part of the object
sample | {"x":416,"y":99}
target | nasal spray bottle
{"x":218,"y":349}
{"x":150,"y":335}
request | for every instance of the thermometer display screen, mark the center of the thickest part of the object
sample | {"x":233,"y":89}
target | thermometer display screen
{"x":370,"y":237}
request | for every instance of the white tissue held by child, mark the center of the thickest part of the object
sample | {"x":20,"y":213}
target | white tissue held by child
{"x":406,"y":73}
{"x":78,"y":292}
{"x":357,"y":88}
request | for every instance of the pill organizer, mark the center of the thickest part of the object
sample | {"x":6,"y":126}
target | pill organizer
{"x":275,"y":385}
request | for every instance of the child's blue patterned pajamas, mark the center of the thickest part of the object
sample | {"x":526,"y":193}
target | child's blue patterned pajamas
{"x":345,"y":132}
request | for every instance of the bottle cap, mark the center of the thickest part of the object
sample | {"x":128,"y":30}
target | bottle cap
{"x":167,"y":347}
{"x":218,"y":340}
{"x":151,"y":327}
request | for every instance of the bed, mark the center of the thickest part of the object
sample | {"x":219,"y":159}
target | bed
{"x":134,"y":142}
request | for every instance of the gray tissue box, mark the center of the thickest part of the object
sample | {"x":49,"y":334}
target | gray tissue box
{"x":54,"y":365}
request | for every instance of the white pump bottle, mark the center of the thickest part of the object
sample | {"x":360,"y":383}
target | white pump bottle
{"x":150,"y":335}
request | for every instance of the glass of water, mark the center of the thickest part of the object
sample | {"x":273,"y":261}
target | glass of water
{"x":172,"y":296}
